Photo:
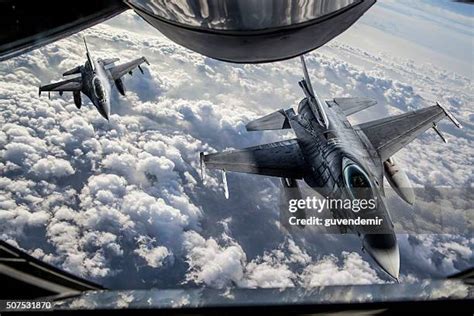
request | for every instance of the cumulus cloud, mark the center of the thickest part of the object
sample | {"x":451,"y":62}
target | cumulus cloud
{"x":52,"y":167}
{"x":154,"y":256}
{"x":224,"y":263}
{"x":329,"y":271}
{"x":212,"y":264}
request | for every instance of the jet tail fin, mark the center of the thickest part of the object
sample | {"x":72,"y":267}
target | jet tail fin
{"x":317,"y":107}
{"x":89,"y":58}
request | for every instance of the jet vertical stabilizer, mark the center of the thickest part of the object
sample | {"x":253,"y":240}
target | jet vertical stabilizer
{"x":317,"y":107}
{"x":89,"y":59}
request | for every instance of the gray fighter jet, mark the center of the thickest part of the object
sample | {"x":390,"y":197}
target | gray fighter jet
{"x":338,"y":160}
{"x":92,"y":81}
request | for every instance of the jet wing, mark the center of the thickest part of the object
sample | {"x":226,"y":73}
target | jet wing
{"x":280,"y":159}
{"x":74,"y":84}
{"x":353,"y":105}
{"x":389,"y":135}
{"x":118,"y":71}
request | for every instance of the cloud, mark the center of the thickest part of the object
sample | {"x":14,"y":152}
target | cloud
{"x":52,"y":167}
{"x":224,"y":264}
{"x":212,"y":264}
{"x":328,"y":271}
{"x":154,"y":256}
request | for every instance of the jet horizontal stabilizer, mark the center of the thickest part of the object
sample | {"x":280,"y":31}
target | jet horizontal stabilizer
{"x":73,"y":71}
{"x":274,"y":121}
{"x":353,"y":105}
{"x":280,"y":159}
{"x":108,"y":61}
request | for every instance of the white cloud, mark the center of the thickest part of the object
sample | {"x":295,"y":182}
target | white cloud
{"x":52,"y":167}
{"x":154,"y":256}
{"x":212,"y":264}
{"x":327,"y":271}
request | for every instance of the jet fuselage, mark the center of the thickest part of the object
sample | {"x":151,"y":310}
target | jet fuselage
{"x":94,"y":88}
{"x":336,"y":154}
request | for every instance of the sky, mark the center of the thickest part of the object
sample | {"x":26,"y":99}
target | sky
{"x":122,"y":203}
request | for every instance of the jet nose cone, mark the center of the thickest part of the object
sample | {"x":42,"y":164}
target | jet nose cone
{"x":104,"y":114}
{"x":104,"y":110}
{"x":387,"y":256}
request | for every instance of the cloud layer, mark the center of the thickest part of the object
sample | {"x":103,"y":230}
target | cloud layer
{"x":122,"y":203}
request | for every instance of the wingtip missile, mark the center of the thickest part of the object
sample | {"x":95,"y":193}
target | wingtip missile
{"x":449,"y":115}
{"x":202,"y":166}
{"x":226,"y":187}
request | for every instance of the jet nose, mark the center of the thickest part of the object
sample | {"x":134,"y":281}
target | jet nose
{"x":383,"y":248}
{"x":104,"y":109}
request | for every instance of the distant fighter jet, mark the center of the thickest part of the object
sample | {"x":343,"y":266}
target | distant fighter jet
{"x":337,"y":160}
{"x":91,"y":81}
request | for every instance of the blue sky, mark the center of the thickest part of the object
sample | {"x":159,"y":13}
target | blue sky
{"x":428,"y":32}
{"x":457,"y":7}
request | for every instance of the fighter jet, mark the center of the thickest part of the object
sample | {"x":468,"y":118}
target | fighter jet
{"x":91,"y":81}
{"x":338,"y":160}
